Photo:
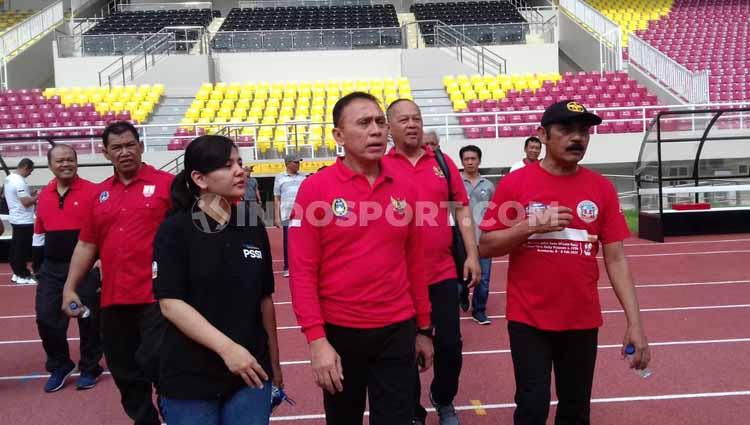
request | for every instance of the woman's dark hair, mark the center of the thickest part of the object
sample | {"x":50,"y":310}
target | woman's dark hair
{"x":204,"y":154}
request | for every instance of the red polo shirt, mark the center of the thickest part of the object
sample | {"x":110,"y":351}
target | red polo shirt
{"x":122,"y":224}
{"x":60,"y":217}
{"x":356,"y":256}
{"x":552,"y":277}
{"x":434,"y":218}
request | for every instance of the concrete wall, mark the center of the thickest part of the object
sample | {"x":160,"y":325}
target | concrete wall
{"x":313,"y":65}
{"x":33,"y":67}
{"x":578,"y":44}
{"x":529,"y":58}
{"x":181,"y":75}
{"x":84,"y":71}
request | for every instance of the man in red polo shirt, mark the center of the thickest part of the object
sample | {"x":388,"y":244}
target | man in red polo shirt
{"x":121,"y":227}
{"x":357,"y":275}
{"x":62,"y":206}
{"x":550,"y":216}
{"x":415,"y":162}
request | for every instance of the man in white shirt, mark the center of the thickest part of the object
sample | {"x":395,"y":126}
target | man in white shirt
{"x":21,"y":205}
{"x":285,"y":187}
{"x":532,"y":147}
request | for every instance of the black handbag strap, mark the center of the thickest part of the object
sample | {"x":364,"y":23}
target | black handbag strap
{"x":446,"y":171}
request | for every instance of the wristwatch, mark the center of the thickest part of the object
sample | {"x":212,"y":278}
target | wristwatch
{"x":428,"y":332}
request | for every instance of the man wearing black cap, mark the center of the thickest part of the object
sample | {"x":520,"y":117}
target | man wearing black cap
{"x":551,"y":217}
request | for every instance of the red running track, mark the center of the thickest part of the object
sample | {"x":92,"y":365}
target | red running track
{"x":695,"y":296}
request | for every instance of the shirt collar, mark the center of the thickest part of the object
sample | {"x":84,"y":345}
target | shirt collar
{"x":428,"y":153}
{"x":75,"y":184}
{"x":346,"y":174}
{"x":145,"y":173}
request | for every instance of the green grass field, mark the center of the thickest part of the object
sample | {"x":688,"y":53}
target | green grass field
{"x":631,"y":216}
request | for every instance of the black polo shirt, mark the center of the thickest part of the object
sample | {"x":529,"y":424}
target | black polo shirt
{"x":223,"y":273}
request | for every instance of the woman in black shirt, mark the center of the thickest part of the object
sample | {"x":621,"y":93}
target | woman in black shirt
{"x":213,"y":279}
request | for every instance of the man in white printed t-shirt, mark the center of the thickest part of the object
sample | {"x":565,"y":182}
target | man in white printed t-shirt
{"x":285,"y":188}
{"x":21,"y":205}
{"x":533,"y":148}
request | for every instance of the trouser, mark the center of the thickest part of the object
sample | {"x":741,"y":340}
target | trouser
{"x":20,"y":249}
{"x":379,"y":364}
{"x":248,"y":406}
{"x":285,"y":231}
{"x":535,"y":353}
{"x":132,"y":335}
{"x":482,"y":290}
{"x":52,"y":323}
{"x":447,"y":344}
{"x":37,"y":258}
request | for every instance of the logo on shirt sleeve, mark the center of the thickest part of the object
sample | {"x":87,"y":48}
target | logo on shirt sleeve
{"x":250,"y":251}
{"x":339,"y":207}
{"x":103,"y":196}
{"x":587,"y":211}
{"x":154,"y":270}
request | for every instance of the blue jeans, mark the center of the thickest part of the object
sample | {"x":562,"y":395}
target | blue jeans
{"x":248,"y":406}
{"x":482,"y":290}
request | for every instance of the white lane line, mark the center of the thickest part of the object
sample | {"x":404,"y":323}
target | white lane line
{"x":608,"y":346}
{"x":497,"y":406}
{"x":686,"y":242}
{"x":647,"y":310}
{"x":645,"y":285}
{"x":666,"y":285}
{"x":665,"y":254}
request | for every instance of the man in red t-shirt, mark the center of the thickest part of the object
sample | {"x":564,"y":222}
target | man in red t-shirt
{"x":120,"y":229}
{"x":418,"y":163}
{"x":357,"y":274}
{"x":551,"y":217}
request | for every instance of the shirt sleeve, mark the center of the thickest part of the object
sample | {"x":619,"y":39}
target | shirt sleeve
{"x":457,"y":183}
{"x":170,"y":262}
{"x":269,"y":285}
{"x":304,"y":263}
{"x":502,"y":210}
{"x":277,"y":186}
{"x":417,"y":270}
{"x":22,"y":189}
{"x":88,"y":231}
{"x":39,"y":222}
{"x":614,"y":227}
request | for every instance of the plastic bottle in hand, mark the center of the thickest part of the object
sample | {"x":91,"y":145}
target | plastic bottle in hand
{"x":81,"y":311}
{"x":629,"y":354}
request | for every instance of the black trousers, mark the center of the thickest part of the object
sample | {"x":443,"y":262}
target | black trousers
{"x":52,"y":323}
{"x":20,"y":249}
{"x":448,"y":344}
{"x":379,"y":364}
{"x":572,"y":355}
{"x":132,"y":336}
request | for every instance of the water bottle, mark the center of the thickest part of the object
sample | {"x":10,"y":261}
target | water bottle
{"x":84,"y":311}
{"x":629,"y":353}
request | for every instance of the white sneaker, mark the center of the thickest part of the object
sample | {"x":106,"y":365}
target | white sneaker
{"x":14,"y":278}
{"x":286,"y":273}
{"x":26,"y":281}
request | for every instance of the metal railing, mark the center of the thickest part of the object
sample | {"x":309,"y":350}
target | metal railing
{"x":316,"y":39}
{"x":607,"y":32}
{"x":252,"y":4}
{"x":25,"y":31}
{"x":134,"y":7}
{"x":467,"y":52}
{"x":691,"y":86}
{"x":142,"y":57}
{"x":505,"y":33}
{"x":498,"y":123}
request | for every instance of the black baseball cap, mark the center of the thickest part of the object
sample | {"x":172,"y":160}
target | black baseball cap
{"x":567,"y":111}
